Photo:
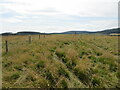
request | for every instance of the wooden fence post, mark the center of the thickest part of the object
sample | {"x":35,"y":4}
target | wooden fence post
{"x":29,"y":39}
{"x":6,"y":42}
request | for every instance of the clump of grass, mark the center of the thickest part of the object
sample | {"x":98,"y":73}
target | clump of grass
{"x":40,"y":64}
{"x":71,"y":54}
{"x":53,"y":49}
{"x":66,"y":42}
{"x":71,"y":58}
{"x":113,"y":67}
{"x":41,"y":83}
{"x":49,"y":76}
{"x":18,"y":67}
{"x":63,"y":72}
{"x":83,"y":71}
{"x":64,"y":59}
{"x":71,"y":64}
{"x":6,"y":64}
{"x":92,"y":57}
{"x":83,"y":53}
{"x":31,"y":78}
{"x":96,"y":81}
{"x":64,"y":84}
{"x":60,"y":53}
{"x":15,"y":76}
{"x":98,"y":53}
{"x":102,"y":60}
{"x":84,"y":76}
{"x":118,"y":74}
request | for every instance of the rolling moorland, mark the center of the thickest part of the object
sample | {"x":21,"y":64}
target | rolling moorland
{"x":60,"y":61}
{"x":103,"y":32}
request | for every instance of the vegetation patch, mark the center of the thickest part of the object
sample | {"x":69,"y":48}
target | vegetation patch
{"x":60,"y":61}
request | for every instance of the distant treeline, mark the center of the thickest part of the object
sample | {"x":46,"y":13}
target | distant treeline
{"x":24,"y":33}
{"x":106,"y":32}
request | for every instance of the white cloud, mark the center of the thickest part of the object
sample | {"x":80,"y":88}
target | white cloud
{"x":91,"y":26}
{"x":59,"y":9}
{"x":79,"y":7}
{"x":11,"y":20}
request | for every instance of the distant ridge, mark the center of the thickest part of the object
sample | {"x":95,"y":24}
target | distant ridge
{"x":106,"y":32}
{"x":27,"y":33}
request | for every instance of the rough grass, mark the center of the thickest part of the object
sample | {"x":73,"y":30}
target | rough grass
{"x":61,"y":61}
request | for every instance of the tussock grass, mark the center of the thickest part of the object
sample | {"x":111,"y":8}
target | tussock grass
{"x":61,"y":61}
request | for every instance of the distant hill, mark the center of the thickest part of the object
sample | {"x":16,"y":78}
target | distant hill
{"x":27,"y":33}
{"x":77,"y":32}
{"x":109,"y":31}
{"x":7,"y":34}
{"x":21,"y":33}
{"x":106,"y":32}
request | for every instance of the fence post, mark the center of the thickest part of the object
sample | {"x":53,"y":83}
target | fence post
{"x":6,"y":42}
{"x":29,"y":39}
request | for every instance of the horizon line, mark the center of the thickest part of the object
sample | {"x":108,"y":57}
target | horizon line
{"x":60,"y":32}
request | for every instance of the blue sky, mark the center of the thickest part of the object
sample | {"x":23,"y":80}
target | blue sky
{"x":58,"y":15}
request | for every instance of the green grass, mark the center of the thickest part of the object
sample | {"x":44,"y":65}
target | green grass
{"x":61,"y":61}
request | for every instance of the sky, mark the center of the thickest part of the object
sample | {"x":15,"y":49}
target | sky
{"x":58,"y":15}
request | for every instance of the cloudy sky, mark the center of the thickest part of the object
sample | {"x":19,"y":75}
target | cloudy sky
{"x":57,"y":15}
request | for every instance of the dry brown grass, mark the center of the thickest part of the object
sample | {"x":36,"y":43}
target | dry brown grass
{"x":60,"y":61}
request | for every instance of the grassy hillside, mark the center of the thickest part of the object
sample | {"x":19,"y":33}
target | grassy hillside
{"x":62,"y":61}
